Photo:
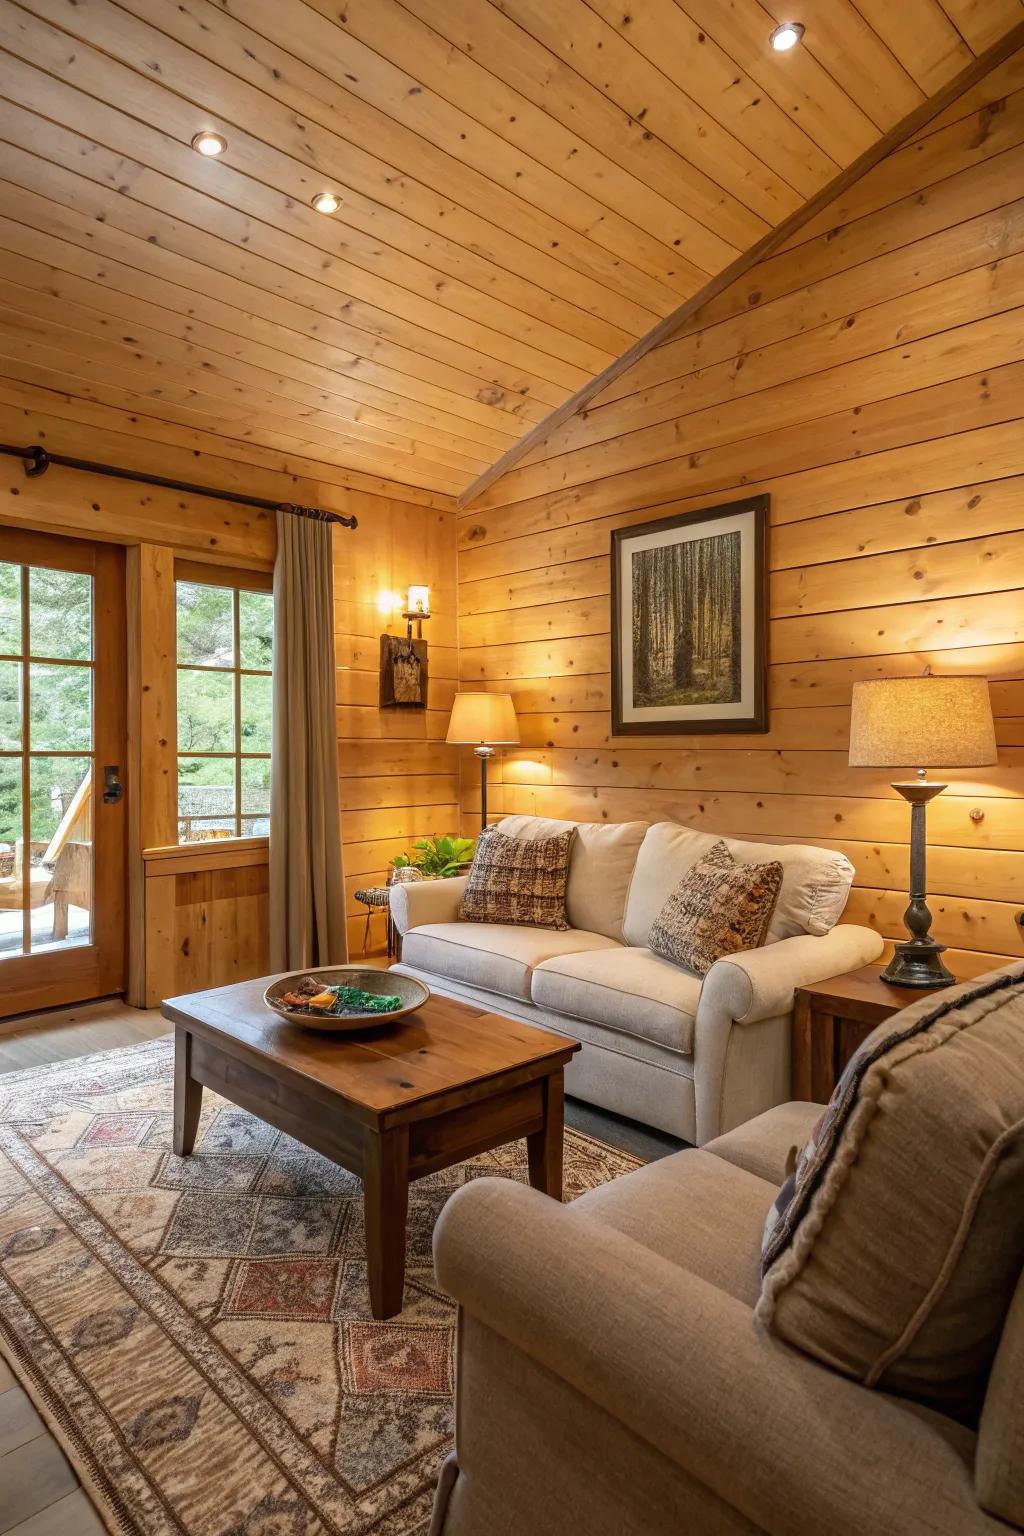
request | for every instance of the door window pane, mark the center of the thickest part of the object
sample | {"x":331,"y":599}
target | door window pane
{"x":46,"y":845}
{"x":60,"y":708}
{"x":10,"y":706}
{"x":11,"y":925}
{"x":256,"y":630}
{"x":206,"y":625}
{"x":60,"y":614}
{"x":10,"y":609}
{"x":255,"y":719}
{"x":61,"y":850}
{"x":206,"y":711}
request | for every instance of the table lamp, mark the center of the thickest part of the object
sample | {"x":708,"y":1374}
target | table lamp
{"x":900,"y":722}
{"x":483,"y":721}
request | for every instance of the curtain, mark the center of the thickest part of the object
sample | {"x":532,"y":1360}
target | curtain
{"x":307,"y":893}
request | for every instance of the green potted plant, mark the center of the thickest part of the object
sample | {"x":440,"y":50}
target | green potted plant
{"x":435,"y":858}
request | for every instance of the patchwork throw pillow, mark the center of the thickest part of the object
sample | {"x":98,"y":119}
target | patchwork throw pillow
{"x":718,"y":908}
{"x":892,"y":1251}
{"x":518,"y":880}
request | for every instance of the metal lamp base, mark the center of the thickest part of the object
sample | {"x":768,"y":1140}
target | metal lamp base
{"x":484,"y":753}
{"x":916,"y":961}
{"x":917,"y":964}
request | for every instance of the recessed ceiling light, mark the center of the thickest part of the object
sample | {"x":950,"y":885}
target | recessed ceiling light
{"x":207,"y":143}
{"x":325,"y":202}
{"x":786,"y":36}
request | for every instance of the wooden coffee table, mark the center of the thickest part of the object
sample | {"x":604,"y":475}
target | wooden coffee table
{"x":390,"y":1105}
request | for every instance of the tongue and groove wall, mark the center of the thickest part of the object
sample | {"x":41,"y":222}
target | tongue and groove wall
{"x":870,"y":377}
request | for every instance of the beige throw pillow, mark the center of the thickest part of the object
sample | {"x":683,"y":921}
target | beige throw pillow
{"x":718,"y":908}
{"x":516,"y":880}
{"x":892,"y":1251}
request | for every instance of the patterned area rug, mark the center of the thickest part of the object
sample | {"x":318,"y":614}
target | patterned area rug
{"x":197,"y":1330}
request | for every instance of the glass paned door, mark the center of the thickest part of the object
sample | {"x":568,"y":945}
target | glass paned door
{"x":61,"y":730}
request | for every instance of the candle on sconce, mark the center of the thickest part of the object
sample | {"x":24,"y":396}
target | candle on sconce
{"x":417,"y":606}
{"x":417,"y":603}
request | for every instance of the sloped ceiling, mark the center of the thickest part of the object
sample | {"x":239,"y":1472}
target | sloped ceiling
{"x":526,"y":188}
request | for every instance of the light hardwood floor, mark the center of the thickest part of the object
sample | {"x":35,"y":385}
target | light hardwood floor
{"x":39,"y":1492}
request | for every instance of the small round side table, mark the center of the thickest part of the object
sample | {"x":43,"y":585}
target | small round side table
{"x":372,"y":897}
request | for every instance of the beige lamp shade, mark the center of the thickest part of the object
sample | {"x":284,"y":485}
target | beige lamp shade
{"x":483,"y":719}
{"x":922,"y":722}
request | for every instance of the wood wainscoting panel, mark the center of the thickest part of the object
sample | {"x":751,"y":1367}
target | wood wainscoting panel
{"x":868,"y":376}
{"x":205,"y":928}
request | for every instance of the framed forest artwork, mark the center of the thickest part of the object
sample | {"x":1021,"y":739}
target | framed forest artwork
{"x":689,"y":622}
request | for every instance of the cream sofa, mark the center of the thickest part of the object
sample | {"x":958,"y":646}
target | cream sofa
{"x":691,"y":1057}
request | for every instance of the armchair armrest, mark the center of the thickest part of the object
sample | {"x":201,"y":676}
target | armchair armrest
{"x":759,"y":983}
{"x":792,"y":1446}
{"x":417,"y":902}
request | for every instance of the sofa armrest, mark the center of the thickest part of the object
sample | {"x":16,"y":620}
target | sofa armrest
{"x":759,"y":983}
{"x":416,"y":902}
{"x":793,"y":1446}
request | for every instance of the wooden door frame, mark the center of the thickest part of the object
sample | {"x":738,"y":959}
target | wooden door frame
{"x":84,"y":971}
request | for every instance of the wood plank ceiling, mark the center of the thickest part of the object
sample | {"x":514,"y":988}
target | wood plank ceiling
{"x":526,"y":187}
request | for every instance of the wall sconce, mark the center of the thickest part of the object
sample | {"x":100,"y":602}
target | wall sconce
{"x":403,"y":660}
{"x":417,"y":606}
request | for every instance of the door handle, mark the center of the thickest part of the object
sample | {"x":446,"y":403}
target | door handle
{"x":113,"y":789}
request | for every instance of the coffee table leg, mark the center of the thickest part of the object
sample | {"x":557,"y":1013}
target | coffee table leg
{"x":386,"y":1206}
{"x":188,"y":1095}
{"x":544,"y":1147}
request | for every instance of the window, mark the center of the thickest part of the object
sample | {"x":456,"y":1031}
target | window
{"x":225,"y":655}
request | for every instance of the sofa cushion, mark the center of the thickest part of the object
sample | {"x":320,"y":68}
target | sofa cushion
{"x":815,"y":881}
{"x":769,"y":1144}
{"x":718,"y":908}
{"x":693,"y":1209}
{"x":496,"y":956}
{"x":518,"y":880}
{"x":600,"y":867}
{"x":893,"y":1250}
{"x":627,"y":989}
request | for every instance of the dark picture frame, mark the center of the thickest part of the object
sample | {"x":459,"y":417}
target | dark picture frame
{"x":715,"y":573}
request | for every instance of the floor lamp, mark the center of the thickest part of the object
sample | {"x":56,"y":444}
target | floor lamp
{"x":900,"y":722}
{"x":483,"y":721}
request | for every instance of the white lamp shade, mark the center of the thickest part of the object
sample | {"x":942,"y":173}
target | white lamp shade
{"x":483,"y":719}
{"x":922,"y":722}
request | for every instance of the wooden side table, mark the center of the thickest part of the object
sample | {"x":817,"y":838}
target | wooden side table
{"x":831,"y":1018}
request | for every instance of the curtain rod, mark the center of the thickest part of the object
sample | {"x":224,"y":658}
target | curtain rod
{"x":37,"y":461}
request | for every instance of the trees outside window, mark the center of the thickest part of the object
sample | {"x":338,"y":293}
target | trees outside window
{"x":225,"y":660}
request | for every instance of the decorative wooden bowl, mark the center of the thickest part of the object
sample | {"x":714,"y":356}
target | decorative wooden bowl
{"x":413,"y":994}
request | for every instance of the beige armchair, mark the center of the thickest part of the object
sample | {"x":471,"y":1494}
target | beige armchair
{"x":612,"y":1379}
